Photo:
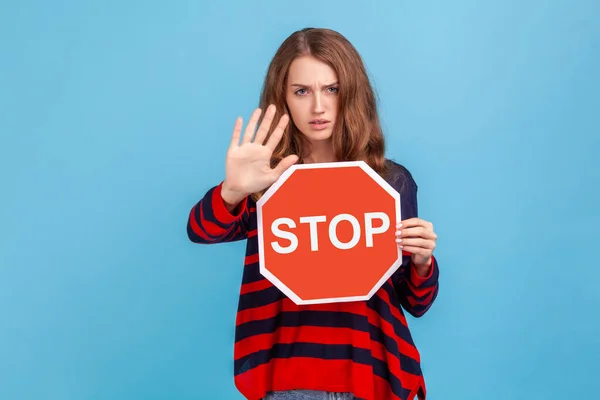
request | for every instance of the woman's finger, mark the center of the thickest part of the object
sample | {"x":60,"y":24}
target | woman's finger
{"x":417,"y":242}
{"x":265,"y":125}
{"x":284,"y":164}
{"x":416,"y":232}
{"x":419,"y":251}
{"x":277,"y":132}
{"x":413,"y":222}
{"x":410,"y":222}
{"x":237,"y":130}
{"x":251,"y":127}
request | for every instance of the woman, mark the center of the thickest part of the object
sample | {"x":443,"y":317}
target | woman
{"x":319,"y":108}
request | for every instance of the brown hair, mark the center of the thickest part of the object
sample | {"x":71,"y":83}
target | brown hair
{"x":357,"y":132}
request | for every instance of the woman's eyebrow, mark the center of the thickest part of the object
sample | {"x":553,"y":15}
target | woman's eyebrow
{"x":324,"y":86}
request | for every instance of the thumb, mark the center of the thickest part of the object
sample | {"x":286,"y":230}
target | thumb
{"x":285,"y":164}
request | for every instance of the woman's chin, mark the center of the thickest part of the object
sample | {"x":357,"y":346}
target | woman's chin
{"x":317,"y":135}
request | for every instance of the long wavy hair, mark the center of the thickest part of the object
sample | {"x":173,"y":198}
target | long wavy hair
{"x":357,"y":131}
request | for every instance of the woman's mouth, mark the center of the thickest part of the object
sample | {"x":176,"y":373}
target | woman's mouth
{"x":319,"y":124}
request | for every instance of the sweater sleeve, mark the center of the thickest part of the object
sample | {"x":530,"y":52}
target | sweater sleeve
{"x":210,"y":221}
{"x":416,"y":294}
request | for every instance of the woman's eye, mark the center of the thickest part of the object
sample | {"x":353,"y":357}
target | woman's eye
{"x":300,"y":90}
{"x":334,"y":89}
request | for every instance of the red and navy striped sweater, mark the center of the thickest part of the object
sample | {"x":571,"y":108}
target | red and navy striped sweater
{"x":361,"y":347}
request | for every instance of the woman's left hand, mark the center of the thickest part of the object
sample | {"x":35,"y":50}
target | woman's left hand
{"x":417,"y":237}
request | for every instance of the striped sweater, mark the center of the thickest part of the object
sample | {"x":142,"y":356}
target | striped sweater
{"x":361,"y":347}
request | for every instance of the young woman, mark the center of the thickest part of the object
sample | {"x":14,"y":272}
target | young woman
{"x":319,"y":107}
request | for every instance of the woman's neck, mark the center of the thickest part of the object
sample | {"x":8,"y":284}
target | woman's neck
{"x":320,"y":152}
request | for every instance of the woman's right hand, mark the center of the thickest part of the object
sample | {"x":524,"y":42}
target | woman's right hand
{"x":247,"y":165}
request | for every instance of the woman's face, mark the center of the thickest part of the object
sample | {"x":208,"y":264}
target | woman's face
{"x":312,"y":97}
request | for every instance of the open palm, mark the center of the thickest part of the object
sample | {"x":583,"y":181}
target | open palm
{"x":247,"y":165}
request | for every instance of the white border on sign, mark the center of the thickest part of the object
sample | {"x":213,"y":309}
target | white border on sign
{"x":269,"y":193}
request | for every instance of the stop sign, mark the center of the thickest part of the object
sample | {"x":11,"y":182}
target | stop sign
{"x":326,"y":232}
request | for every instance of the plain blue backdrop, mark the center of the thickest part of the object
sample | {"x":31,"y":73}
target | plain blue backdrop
{"x":115,"y":118}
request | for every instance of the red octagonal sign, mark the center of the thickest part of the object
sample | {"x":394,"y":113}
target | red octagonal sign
{"x":326,"y":232}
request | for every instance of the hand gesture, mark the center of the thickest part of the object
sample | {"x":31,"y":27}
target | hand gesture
{"x":417,"y":237}
{"x":247,"y":165}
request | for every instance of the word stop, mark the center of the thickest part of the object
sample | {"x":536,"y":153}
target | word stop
{"x":312,"y":221}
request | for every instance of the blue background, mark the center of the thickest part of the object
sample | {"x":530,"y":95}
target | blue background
{"x":115,"y":118}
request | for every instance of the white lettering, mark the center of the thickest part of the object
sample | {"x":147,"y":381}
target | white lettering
{"x":370,"y":230}
{"x":284,"y":235}
{"x":355,"y":231}
{"x":314,"y":237}
{"x":312,"y":221}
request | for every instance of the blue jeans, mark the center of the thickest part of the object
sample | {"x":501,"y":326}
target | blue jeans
{"x":308,"y":395}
